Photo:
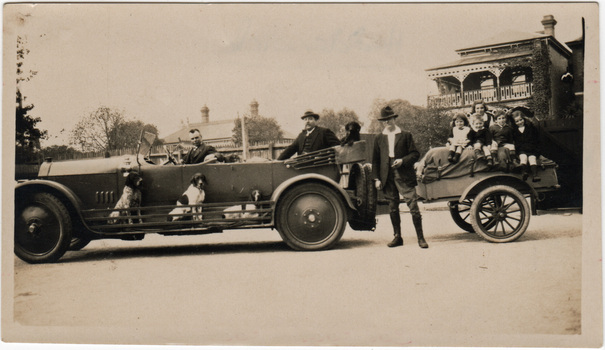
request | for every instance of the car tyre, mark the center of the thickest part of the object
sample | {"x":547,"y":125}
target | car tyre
{"x":461,"y":214}
{"x":43,"y":229}
{"x":311,"y":216}
{"x":500,"y":214}
{"x":364,"y":218}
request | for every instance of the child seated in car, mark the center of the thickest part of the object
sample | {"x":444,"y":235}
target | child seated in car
{"x":458,"y":138}
{"x":526,"y":140}
{"x":481,"y":139}
{"x":502,"y":140}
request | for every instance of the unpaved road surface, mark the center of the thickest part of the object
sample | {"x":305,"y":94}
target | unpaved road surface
{"x":248,"y":288}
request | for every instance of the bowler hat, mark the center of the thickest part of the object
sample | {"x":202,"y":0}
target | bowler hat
{"x":310,"y":114}
{"x":387,"y":113}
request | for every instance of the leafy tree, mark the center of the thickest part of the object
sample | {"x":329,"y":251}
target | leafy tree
{"x":27,"y":138}
{"x":60,"y":152}
{"x":130,"y":133}
{"x":337,"y":121}
{"x":106,"y":129}
{"x":259,"y":129}
{"x":429,"y":127}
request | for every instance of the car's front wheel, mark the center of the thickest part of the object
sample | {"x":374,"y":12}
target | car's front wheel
{"x":43,"y":229}
{"x":311,"y":217}
{"x":500,"y":214}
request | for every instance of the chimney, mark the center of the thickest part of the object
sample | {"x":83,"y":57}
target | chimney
{"x":549,"y":23}
{"x":254,"y":109}
{"x":205,"y":115}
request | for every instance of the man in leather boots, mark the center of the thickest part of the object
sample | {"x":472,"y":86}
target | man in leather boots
{"x":393,"y":171}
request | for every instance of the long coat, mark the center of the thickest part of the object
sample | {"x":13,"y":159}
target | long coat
{"x":197,"y":154}
{"x":404,"y":149}
{"x":320,"y":138}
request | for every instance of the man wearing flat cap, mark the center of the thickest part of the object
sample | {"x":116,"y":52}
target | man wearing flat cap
{"x":312,"y":138}
{"x":393,"y":172}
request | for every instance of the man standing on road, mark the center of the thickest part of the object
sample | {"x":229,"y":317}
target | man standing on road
{"x":200,"y":150}
{"x":393,"y":173}
{"x":312,"y":138}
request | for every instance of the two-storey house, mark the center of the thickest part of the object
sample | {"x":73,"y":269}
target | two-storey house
{"x":510,"y":69}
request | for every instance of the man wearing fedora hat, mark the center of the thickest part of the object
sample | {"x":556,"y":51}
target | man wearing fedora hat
{"x":312,"y":138}
{"x":393,"y":173}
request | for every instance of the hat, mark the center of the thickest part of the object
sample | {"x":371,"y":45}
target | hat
{"x":528,"y":113}
{"x":387,"y":113}
{"x":310,"y":114}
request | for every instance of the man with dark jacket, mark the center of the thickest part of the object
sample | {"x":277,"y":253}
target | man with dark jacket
{"x":200,"y":150}
{"x":312,"y":138}
{"x":393,"y":171}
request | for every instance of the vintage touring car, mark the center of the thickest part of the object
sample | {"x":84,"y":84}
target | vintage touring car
{"x":309,"y":199}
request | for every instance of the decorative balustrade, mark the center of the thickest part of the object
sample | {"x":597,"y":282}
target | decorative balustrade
{"x":487,"y":95}
{"x":448,"y":100}
{"x":512,"y":92}
{"x":503,"y":93}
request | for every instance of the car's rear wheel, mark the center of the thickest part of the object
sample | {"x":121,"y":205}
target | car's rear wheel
{"x":461,"y":213}
{"x":43,"y":229}
{"x":311,"y":217}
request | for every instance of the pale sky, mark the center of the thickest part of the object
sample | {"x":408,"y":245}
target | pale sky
{"x":161,"y":63}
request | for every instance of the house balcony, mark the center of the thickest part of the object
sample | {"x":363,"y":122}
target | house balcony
{"x":500,"y":94}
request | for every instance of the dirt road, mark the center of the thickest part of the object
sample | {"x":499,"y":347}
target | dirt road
{"x":249,"y":288}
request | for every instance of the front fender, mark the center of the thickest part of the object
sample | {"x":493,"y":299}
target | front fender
{"x":55,"y":187}
{"x":499,"y":179}
{"x":313,"y":177}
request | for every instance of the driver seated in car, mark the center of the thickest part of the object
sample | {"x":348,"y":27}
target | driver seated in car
{"x":200,"y":152}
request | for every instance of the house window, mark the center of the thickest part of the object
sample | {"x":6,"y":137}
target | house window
{"x":519,"y":79}
{"x":487,"y":84}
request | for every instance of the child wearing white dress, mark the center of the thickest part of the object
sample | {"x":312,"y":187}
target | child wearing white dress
{"x":458,"y":138}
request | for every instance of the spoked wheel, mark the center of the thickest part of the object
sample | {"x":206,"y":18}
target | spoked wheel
{"x":461,"y":213}
{"x":311,"y":217}
{"x":43,"y":229}
{"x":500,"y":214}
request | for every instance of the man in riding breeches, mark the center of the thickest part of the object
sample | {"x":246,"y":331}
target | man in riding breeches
{"x":393,"y":171}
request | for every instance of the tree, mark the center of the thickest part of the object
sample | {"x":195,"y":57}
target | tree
{"x":27,"y":137}
{"x":106,"y":129}
{"x":429,"y":127}
{"x":259,"y":129}
{"x":60,"y":152}
{"x":337,"y":121}
{"x":130,"y":132}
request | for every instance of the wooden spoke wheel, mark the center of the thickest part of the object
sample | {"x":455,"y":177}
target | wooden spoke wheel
{"x":500,"y":214}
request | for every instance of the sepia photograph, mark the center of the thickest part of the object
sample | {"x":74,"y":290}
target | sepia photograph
{"x":302,"y":174}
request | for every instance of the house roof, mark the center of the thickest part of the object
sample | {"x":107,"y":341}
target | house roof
{"x":575,"y":42}
{"x":505,"y":38}
{"x":492,"y":57}
{"x":214,"y":130}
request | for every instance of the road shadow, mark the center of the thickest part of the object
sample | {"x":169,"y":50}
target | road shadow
{"x":193,"y":249}
{"x":461,"y":237}
{"x":171,"y":251}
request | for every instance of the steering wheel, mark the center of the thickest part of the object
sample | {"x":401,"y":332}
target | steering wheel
{"x":171,"y":158}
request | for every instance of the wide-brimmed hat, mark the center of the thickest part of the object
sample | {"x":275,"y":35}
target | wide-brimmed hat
{"x":387,"y":113}
{"x":310,"y":114}
{"x":528,"y":113}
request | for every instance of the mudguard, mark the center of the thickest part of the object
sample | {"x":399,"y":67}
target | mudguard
{"x":305,"y":177}
{"x":502,"y":179}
